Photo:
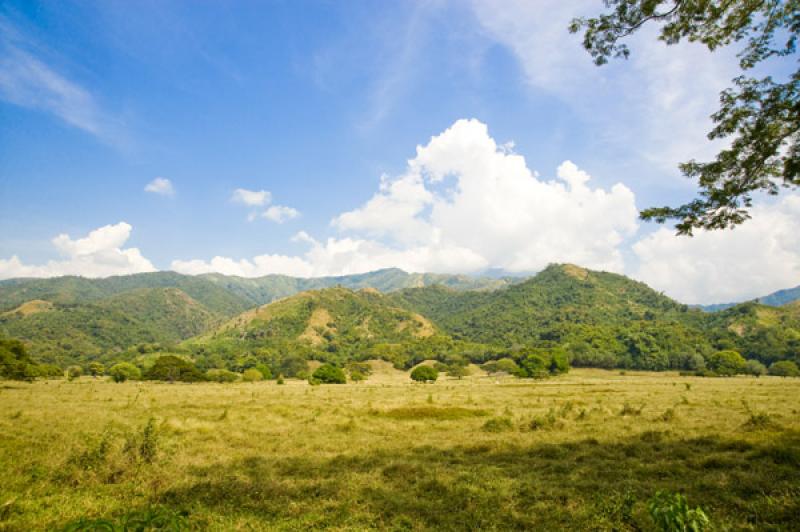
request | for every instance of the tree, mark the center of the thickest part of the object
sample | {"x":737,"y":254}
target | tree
{"x":124,"y":371}
{"x":96,"y":369}
{"x":265,"y":371}
{"x":221,"y":375}
{"x":760,"y":116}
{"x":329,"y":374}
{"x":170,"y":368}
{"x":726,"y":363}
{"x":784,"y":368}
{"x":73,"y":372}
{"x":15,"y":363}
{"x":458,"y":371}
{"x":252,"y":375}
{"x":754,"y":367}
{"x":424,"y":374}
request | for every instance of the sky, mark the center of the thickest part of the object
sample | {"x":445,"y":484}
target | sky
{"x":316,"y":138}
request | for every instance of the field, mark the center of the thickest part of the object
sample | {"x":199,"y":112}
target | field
{"x":583,"y":451}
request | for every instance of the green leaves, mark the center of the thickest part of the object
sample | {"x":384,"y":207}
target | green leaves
{"x":762,"y":116}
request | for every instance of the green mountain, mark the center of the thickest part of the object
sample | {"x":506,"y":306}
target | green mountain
{"x":601,"y":318}
{"x":72,"y":290}
{"x":66,"y":333}
{"x":759,"y":331}
{"x":266,"y":289}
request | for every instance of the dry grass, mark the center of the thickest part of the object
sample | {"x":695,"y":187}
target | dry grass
{"x":354,"y":457}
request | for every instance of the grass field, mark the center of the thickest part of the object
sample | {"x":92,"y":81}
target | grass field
{"x":582,"y":451}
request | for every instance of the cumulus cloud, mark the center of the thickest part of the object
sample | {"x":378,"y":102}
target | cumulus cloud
{"x":462,"y":205}
{"x":754,"y":259}
{"x":280,"y":213}
{"x":262,"y":198}
{"x":98,"y":254}
{"x":251,"y":198}
{"x":161,"y":186}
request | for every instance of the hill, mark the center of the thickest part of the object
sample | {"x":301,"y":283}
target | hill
{"x":759,"y":331}
{"x":261,"y":290}
{"x":67,"y":333}
{"x":331,"y":324}
{"x":601,"y":318}
{"x":73,"y":290}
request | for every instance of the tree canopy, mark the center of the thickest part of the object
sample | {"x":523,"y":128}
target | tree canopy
{"x":760,"y":116}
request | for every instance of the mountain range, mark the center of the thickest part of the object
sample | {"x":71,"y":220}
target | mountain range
{"x":599,"y":318}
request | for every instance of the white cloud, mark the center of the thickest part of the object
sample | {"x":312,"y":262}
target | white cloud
{"x":251,"y":198}
{"x":99,"y":254}
{"x":279,"y":213}
{"x":464,"y":204}
{"x":262,"y":198}
{"x":161,"y":186}
{"x":754,"y":259}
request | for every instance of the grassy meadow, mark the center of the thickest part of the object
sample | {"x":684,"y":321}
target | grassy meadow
{"x":585,"y":450}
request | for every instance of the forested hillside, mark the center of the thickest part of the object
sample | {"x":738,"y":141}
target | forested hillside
{"x":595,"y":318}
{"x":68,"y":333}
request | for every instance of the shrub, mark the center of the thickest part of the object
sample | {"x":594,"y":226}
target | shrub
{"x":49,"y":371}
{"x":784,"y":368}
{"x":504,"y":365}
{"x":754,"y":367}
{"x":265,"y":371}
{"x":279,"y":380}
{"x":15,"y":363}
{"x":252,"y":375}
{"x":124,"y":371}
{"x":170,"y":368}
{"x":222,"y":375}
{"x":671,"y":512}
{"x":329,"y":374}
{"x":458,"y":371}
{"x":424,"y":374}
{"x":73,"y":372}
{"x":726,"y":363}
{"x":498,"y":424}
{"x":96,"y":369}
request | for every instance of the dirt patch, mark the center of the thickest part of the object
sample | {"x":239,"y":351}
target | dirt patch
{"x":33,"y":306}
{"x":576,"y":271}
{"x":317,"y":325}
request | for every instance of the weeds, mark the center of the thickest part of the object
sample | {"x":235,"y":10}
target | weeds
{"x":671,"y":513}
{"x":498,"y":424}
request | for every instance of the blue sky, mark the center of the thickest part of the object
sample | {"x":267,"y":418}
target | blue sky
{"x":126,"y":131}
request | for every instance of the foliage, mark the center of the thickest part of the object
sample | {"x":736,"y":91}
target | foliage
{"x":171,"y":368}
{"x":328,"y":374}
{"x":124,"y":371}
{"x":671,"y":513}
{"x":424,"y":374}
{"x":727,"y":362}
{"x":96,"y":369}
{"x":759,"y":115}
{"x":252,"y":375}
{"x":73,"y":372}
{"x":755,"y":368}
{"x":221,"y":375}
{"x":784,"y":368}
{"x":15,"y":363}
{"x":266,"y":373}
{"x":155,"y":518}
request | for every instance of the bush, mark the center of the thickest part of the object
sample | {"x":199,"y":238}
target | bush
{"x":124,"y":371}
{"x":328,"y":374}
{"x":754,"y":367}
{"x":784,"y":368}
{"x":49,"y":371}
{"x":222,"y":375}
{"x":265,"y":371}
{"x":726,"y":363}
{"x":15,"y":363}
{"x":73,"y":372}
{"x":671,"y":512}
{"x":498,"y":424}
{"x":170,"y":368}
{"x":96,"y":369}
{"x":458,"y":371}
{"x":252,"y":375}
{"x":424,"y":374}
